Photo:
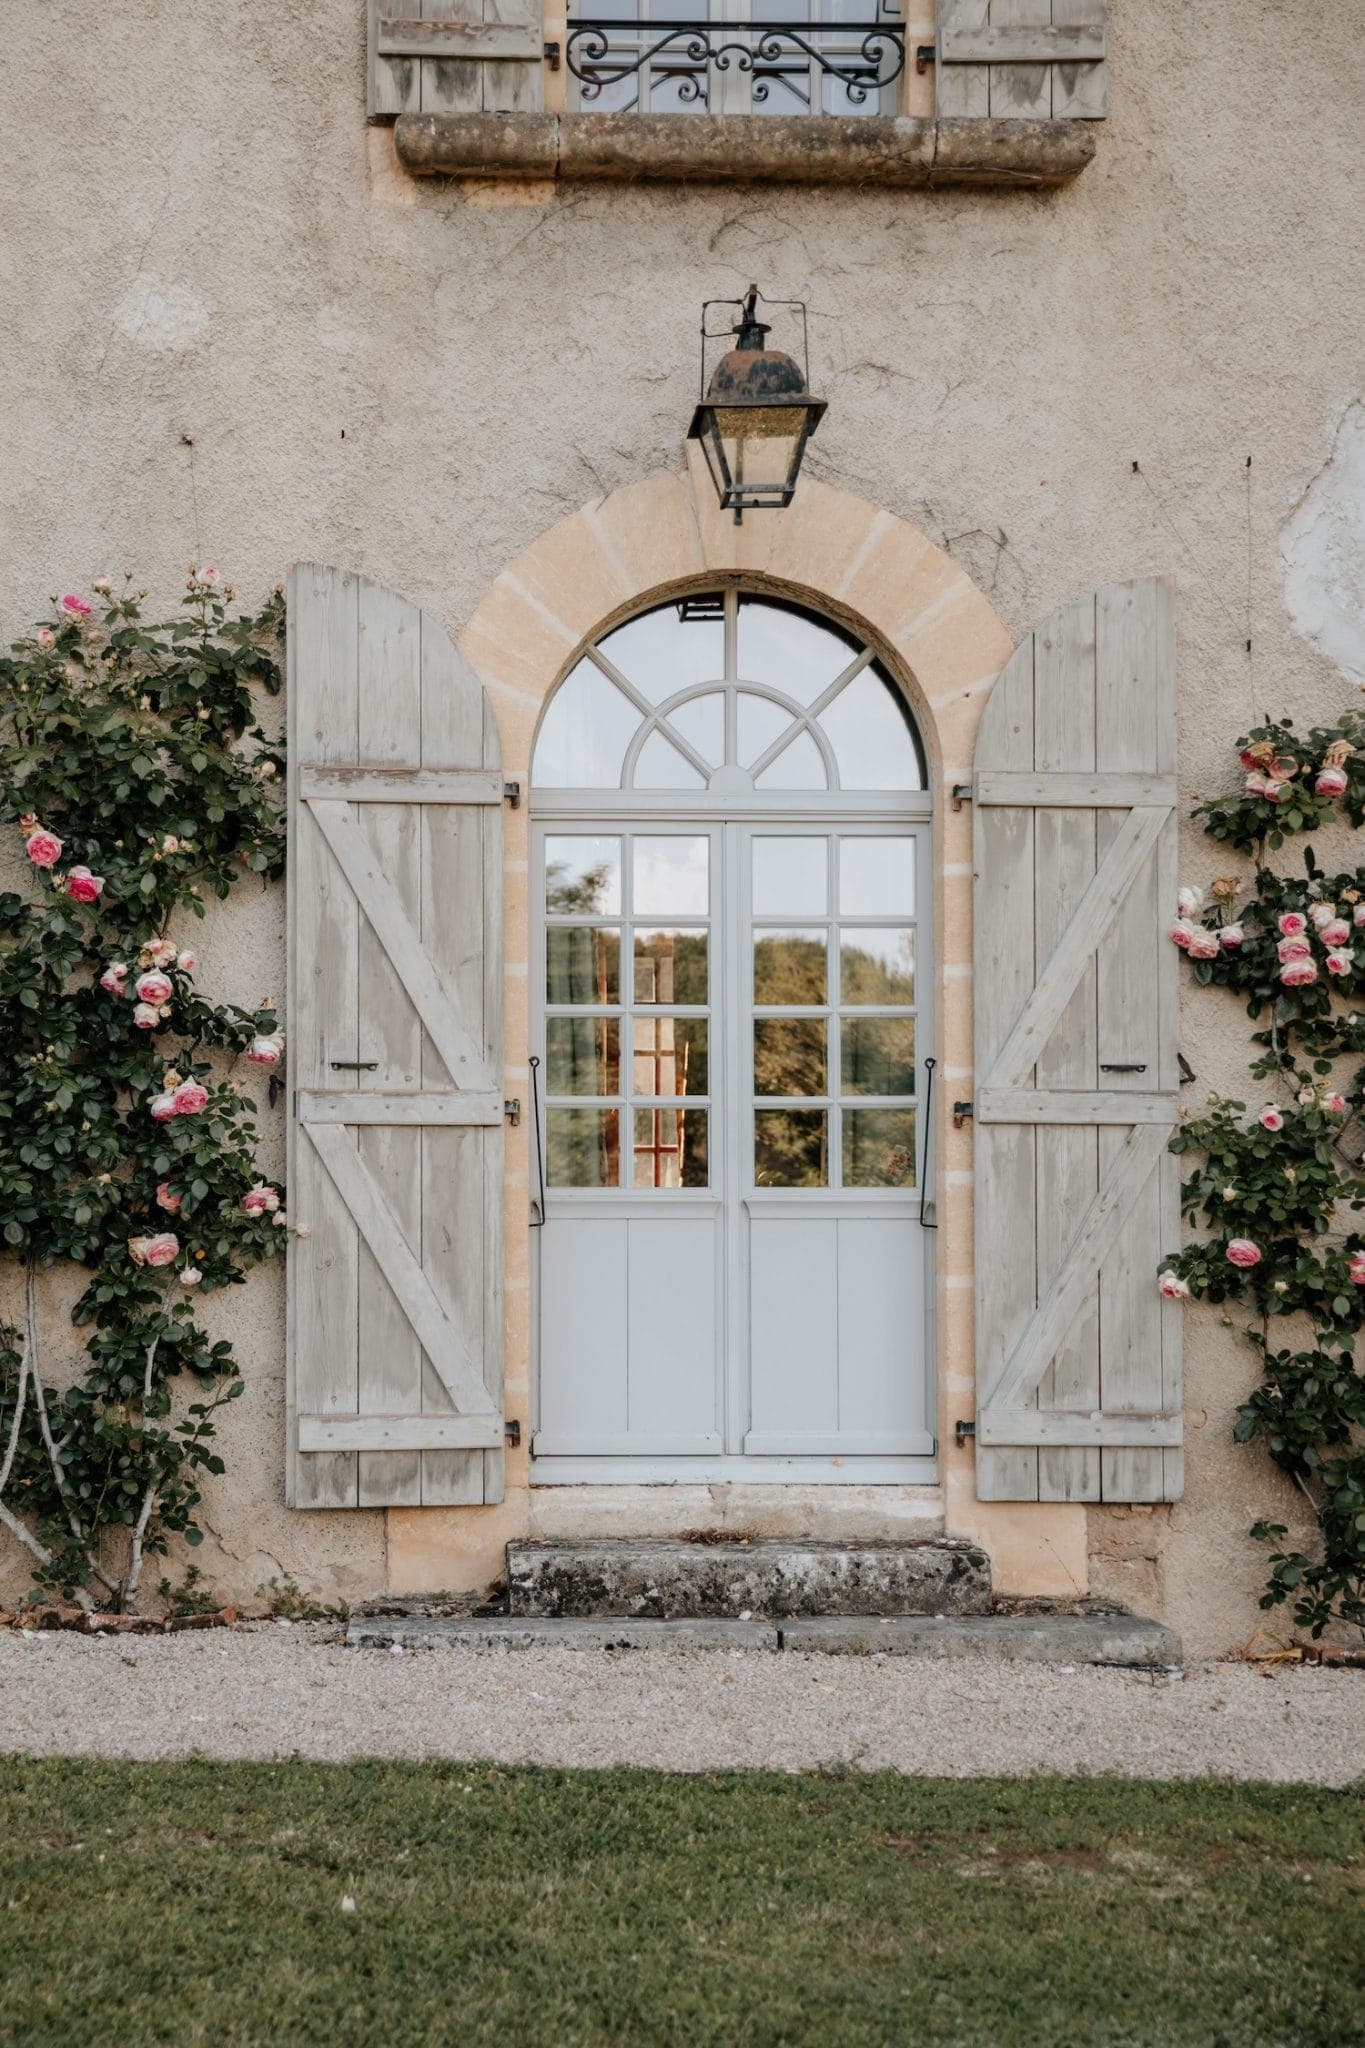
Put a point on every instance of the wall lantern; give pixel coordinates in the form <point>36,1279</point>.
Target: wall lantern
<point>757,414</point>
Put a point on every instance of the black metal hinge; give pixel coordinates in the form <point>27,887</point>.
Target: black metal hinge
<point>925,55</point>
<point>964,1432</point>
<point>552,55</point>
<point>511,1109</point>
<point>961,1112</point>
<point>512,1431</point>
<point>512,792</point>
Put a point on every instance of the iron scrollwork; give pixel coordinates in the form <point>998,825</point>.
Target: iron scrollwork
<point>689,50</point>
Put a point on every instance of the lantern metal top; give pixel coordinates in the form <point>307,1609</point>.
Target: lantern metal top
<point>750,373</point>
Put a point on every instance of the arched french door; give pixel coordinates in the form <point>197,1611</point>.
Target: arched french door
<point>732,1005</point>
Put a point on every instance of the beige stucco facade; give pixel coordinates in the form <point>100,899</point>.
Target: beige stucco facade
<point>235,330</point>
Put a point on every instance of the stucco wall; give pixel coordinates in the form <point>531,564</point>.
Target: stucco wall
<point>233,330</point>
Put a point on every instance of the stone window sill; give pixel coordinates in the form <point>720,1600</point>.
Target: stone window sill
<point>746,149</point>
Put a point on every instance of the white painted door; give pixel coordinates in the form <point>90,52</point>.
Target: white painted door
<point>733,1020</point>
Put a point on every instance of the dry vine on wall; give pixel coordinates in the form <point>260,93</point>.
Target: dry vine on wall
<point>138,777</point>
<point>1278,1188</point>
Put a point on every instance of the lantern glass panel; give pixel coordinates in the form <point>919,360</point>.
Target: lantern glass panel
<point>759,446</point>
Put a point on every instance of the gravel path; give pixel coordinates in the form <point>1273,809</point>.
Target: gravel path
<point>268,1691</point>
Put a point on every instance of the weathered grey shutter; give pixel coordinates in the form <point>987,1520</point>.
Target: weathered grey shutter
<point>454,57</point>
<point>395,1057</point>
<point>1076,1006</point>
<point>1023,59</point>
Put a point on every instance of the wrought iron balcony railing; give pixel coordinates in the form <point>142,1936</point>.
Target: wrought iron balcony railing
<point>674,65</point>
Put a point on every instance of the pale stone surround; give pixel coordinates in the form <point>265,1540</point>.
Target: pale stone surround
<point>943,640</point>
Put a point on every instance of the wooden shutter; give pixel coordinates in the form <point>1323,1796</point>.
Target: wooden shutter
<point>1023,59</point>
<point>395,1057</point>
<point>1076,1006</point>
<point>454,57</point>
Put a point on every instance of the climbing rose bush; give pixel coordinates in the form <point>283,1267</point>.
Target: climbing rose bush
<point>136,780</point>
<point>1277,1190</point>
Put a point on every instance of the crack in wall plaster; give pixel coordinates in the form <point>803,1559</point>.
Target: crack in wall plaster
<point>1322,551</point>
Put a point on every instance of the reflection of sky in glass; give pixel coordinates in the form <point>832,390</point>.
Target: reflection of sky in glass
<point>877,877</point>
<point>586,731</point>
<point>789,877</point>
<point>661,766</point>
<point>871,739</point>
<point>661,653</point>
<point>702,722</point>
<point>672,877</point>
<point>798,766</point>
<point>582,874</point>
<point>877,965</point>
<point>789,650</point>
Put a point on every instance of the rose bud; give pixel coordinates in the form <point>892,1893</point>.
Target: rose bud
<point>191,1276</point>
<point>187,962</point>
<point>1357,1268</point>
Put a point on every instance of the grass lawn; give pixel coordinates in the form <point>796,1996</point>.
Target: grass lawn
<point>547,1909</point>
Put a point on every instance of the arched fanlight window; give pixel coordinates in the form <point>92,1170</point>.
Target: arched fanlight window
<point>728,693</point>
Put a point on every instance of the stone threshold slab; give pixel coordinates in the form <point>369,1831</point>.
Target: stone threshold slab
<point>743,149</point>
<point>1124,1640</point>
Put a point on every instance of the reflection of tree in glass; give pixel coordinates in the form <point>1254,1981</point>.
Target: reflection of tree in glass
<point>791,1148</point>
<point>789,967</point>
<point>582,1148</point>
<point>878,967</point>
<point>574,895</point>
<point>670,967</point>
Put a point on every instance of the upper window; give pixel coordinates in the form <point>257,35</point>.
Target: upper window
<point>728,693</point>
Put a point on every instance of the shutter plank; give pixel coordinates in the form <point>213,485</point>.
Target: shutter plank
<point>322,1342</point>
<point>1020,91</point>
<point>1068,1154</point>
<point>961,89</point>
<point>1080,88</point>
<point>1005,1158</point>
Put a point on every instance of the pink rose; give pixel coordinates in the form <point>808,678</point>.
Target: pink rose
<point>1340,960</point>
<point>75,606</point>
<point>114,977</point>
<point>1334,1104</point>
<point>1203,944</point>
<point>266,1051</point>
<point>1242,1252</point>
<point>1358,915</point>
<point>1231,937</point>
<point>83,886</point>
<point>164,1107</point>
<point>43,847</point>
<point>1294,949</point>
<point>167,1200</point>
<point>146,1016</point>
<point>44,636</point>
<point>254,1201</point>
<point>1292,923</point>
<point>1299,973</point>
<point>158,953</point>
<point>209,575</point>
<point>1173,1287</point>
<point>1283,769</point>
<point>1331,782</point>
<point>162,1250</point>
<point>187,963</point>
<point>1272,791</point>
<point>1180,934</point>
<point>190,1276</point>
<point>1321,914</point>
<point>153,987</point>
<point>189,1098</point>
<point>1271,1119</point>
<point>1255,783</point>
<point>1337,933</point>
<point>1248,759</point>
<point>1357,1268</point>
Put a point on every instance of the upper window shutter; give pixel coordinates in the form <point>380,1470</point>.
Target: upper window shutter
<point>395,1057</point>
<point>1076,1028</point>
<point>1023,59</point>
<point>453,57</point>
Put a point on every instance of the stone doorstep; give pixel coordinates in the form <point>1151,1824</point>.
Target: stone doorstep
<point>676,1581</point>
<point>1123,1640</point>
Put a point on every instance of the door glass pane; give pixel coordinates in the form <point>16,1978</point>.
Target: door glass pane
<point>878,1055</point>
<point>879,1148</point>
<point>672,877</point>
<point>871,739</point>
<point>670,1148</point>
<point>582,875</point>
<point>661,653</point>
<point>789,966</point>
<point>877,877</point>
<point>877,965</point>
<point>582,964</point>
<point>790,877</point>
<point>661,766</point>
<point>670,1056</point>
<point>670,966</point>
<point>582,1148</point>
<point>582,1056</point>
<point>586,730</point>
<point>799,766</point>
<point>789,1055</point>
<point>791,1148</point>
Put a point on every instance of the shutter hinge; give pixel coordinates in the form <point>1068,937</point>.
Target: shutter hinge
<point>961,1112</point>
<point>925,55</point>
<point>964,1432</point>
<point>511,1109</point>
<point>552,55</point>
<point>512,1431</point>
<point>962,794</point>
<point>512,794</point>
<point>1187,1073</point>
